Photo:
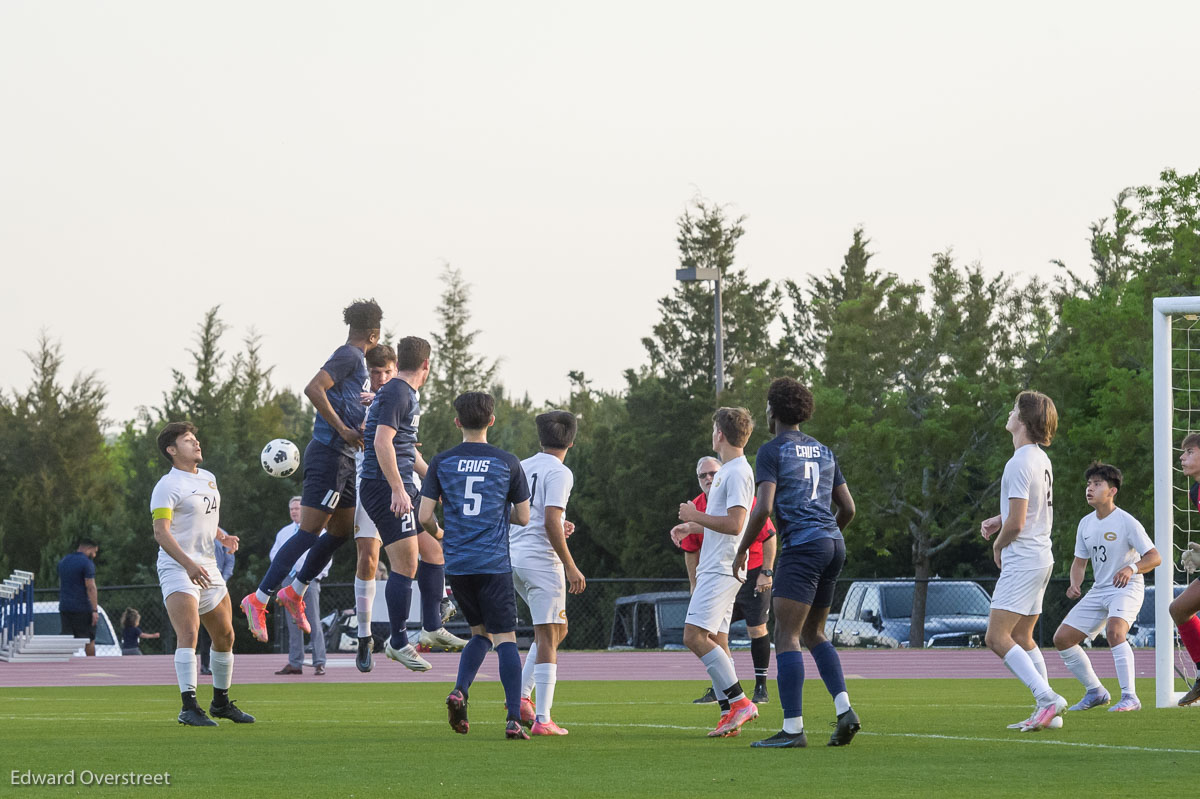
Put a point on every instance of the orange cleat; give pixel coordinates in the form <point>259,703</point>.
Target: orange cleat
<point>295,607</point>
<point>256,614</point>
<point>528,713</point>
<point>738,715</point>
<point>547,728</point>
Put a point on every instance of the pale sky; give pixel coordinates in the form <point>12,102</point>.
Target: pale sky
<point>282,158</point>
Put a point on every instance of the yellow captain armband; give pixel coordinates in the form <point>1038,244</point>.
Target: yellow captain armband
<point>163,513</point>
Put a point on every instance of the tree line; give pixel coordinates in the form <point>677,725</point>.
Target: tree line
<point>913,380</point>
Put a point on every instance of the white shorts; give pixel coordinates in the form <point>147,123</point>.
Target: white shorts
<point>363,526</point>
<point>1021,591</point>
<point>545,592</point>
<point>711,607</point>
<point>174,580</point>
<point>1100,604</point>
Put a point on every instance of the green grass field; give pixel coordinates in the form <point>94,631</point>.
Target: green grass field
<point>627,739</point>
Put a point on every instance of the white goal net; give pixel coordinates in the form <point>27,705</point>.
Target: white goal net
<point>1176,414</point>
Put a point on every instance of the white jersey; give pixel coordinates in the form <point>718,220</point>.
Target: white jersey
<point>191,502</point>
<point>1111,543</point>
<point>550,483</point>
<point>1028,476</point>
<point>733,487</point>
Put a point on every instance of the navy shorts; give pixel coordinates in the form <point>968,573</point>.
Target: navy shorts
<point>750,606</point>
<point>487,599</point>
<point>808,572</point>
<point>376,500</point>
<point>328,478</point>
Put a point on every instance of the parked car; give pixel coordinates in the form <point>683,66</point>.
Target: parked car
<point>655,621</point>
<point>1141,632</point>
<point>46,621</point>
<point>879,614</point>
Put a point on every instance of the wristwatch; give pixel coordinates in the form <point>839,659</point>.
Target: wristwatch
<point>767,572</point>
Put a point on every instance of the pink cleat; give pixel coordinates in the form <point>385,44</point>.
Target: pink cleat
<point>1045,714</point>
<point>738,715</point>
<point>546,728</point>
<point>256,614</point>
<point>528,712</point>
<point>295,607</point>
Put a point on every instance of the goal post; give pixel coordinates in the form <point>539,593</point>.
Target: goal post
<point>1172,421</point>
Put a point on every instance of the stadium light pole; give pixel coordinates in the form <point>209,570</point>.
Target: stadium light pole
<point>694,274</point>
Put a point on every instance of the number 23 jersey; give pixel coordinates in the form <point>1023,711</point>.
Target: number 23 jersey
<point>191,502</point>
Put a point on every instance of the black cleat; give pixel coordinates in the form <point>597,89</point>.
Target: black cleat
<point>783,740</point>
<point>760,695</point>
<point>1192,696</point>
<point>363,660</point>
<point>231,711</point>
<point>513,731</point>
<point>448,610</point>
<point>456,704</point>
<point>194,717</point>
<point>846,727</point>
<point>708,698</point>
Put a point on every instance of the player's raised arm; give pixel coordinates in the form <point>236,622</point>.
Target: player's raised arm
<point>726,525</point>
<point>316,391</point>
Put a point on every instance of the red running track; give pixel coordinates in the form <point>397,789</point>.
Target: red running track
<point>856,663</point>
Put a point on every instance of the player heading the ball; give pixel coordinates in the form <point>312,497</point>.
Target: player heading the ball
<point>482,490</point>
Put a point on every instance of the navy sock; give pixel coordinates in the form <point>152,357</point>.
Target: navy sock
<point>791,683</point>
<point>510,678</point>
<point>829,665</point>
<point>431,581</point>
<point>281,565</point>
<point>470,661</point>
<point>398,594</point>
<point>760,651</point>
<point>319,556</point>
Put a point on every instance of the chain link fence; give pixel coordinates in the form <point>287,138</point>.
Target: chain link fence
<point>648,613</point>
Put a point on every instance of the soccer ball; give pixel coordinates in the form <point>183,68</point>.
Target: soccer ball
<point>280,457</point>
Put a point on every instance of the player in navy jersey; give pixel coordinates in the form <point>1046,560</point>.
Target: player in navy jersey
<point>798,477</point>
<point>328,499</point>
<point>482,490</point>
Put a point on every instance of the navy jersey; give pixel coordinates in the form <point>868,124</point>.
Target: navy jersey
<point>478,484</point>
<point>805,473</point>
<point>348,368</point>
<point>398,406</point>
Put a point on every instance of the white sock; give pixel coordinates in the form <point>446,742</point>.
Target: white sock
<point>299,587</point>
<point>527,675</point>
<point>1039,662</point>
<point>1123,658</point>
<point>793,726</point>
<point>1021,665</point>
<point>364,600</point>
<point>841,703</point>
<point>546,675</point>
<point>222,668</point>
<point>185,669</point>
<point>720,671</point>
<point>262,596</point>
<point>1077,662</point>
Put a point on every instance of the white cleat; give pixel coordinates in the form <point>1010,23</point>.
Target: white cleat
<point>1055,724</point>
<point>1128,702</point>
<point>407,656</point>
<point>1021,725</point>
<point>441,639</point>
<point>1047,713</point>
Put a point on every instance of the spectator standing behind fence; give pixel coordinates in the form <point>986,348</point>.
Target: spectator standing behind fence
<point>225,561</point>
<point>312,605</point>
<point>78,605</point>
<point>131,632</point>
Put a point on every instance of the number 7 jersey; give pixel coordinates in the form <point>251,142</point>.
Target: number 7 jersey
<point>804,472</point>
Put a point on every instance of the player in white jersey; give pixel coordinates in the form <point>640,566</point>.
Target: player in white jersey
<point>543,569</point>
<point>723,522</point>
<point>185,508</point>
<point>1120,552</point>
<point>1021,550</point>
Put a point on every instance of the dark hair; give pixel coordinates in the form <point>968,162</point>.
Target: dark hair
<point>131,617</point>
<point>87,542</point>
<point>1192,440</point>
<point>170,434</point>
<point>362,316</point>
<point>411,352</point>
<point>736,424</point>
<point>1108,473</point>
<point>379,356</point>
<point>1037,412</point>
<point>474,409</point>
<point>556,429</point>
<point>790,401</point>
